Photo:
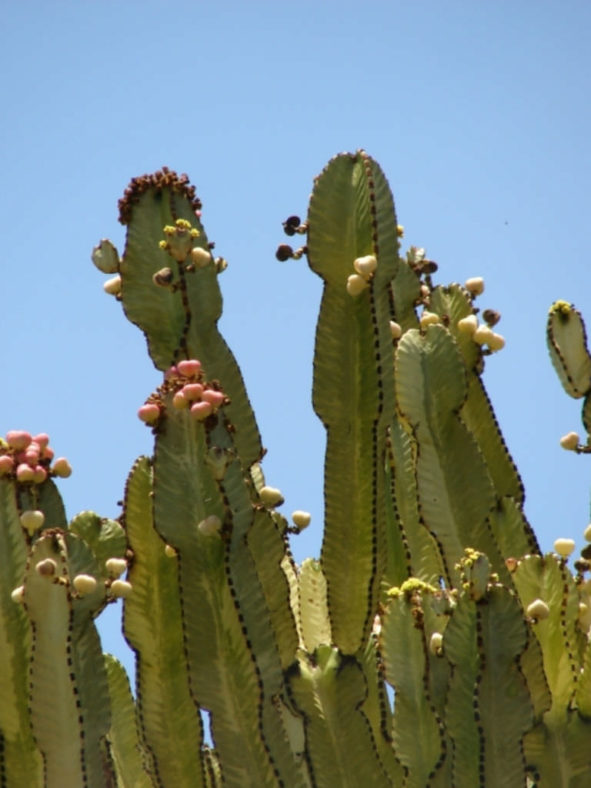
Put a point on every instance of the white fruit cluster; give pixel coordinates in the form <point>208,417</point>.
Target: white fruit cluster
<point>481,334</point>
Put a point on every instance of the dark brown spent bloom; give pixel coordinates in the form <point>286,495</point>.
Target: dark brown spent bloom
<point>491,316</point>
<point>284,252</point>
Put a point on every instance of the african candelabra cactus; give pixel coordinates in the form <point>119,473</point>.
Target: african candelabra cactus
<point>431,645</point>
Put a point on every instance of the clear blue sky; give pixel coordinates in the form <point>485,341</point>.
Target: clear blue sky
<point>477,111</point>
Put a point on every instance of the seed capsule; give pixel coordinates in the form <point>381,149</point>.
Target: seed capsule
<point>482,335</point>
<point>468,325</point>
<point>189,367</point>
<point>18,595</point>
<point>587,533</point>
<point>179,400</point>
<point>84,584</point>
<point>475,285</point>
<point>214,397</point>
<point>149,413</point>
<point>24,473</point>
<point>429,319</point>
<point>18,439</point>
<point>395,330</point>
<point>496,342</point>
<point>62,468</point>
<point>32,520</point>
<point>39,474</point>
<point>436,643</point>
<point>201,410</point>
<point>115,566</point>
<point>192,392</point>
<point>113,286</point>
<point>6,464</point>
<point>537,610</point>
<point>570,441</point>
<point>564,547</point>
<point>46,568</point>
<point>200,257</point>
<point>120,588</point>
<point>271,496</point>
<point>210,526</point>
<point>365,266</point>
<point>301,519</point>
<point>356,284</point>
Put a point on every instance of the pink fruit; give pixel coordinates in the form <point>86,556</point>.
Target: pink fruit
<point>6,464</point>
<point>171,372</point>
<point>62,468</point>
<point>18,439</point>
<point>42,440</point>
<point>47,453</point>
<point>216,398</point>
<point>189,368</point>
<point>201,410</point>
<point>31,455</point>
<point>192,391</point>
<point>149,413</point>
<point>40,474</point>
<point>24,473</point>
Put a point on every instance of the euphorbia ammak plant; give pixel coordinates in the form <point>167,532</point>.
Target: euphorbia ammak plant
<point>431,644</point>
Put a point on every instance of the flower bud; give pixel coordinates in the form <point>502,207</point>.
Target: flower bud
<point>115,566</point>
<point>271,496</point>
<point>475,285</point>
<point>356,284</point>
<point>84,584</point>
<point>587,533</point>
<point>537,610</point>
<point>570,441</point>
<point>169,551</point>
<point>120,588</point>
<point>32,520</point>
<point>564,547</point>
